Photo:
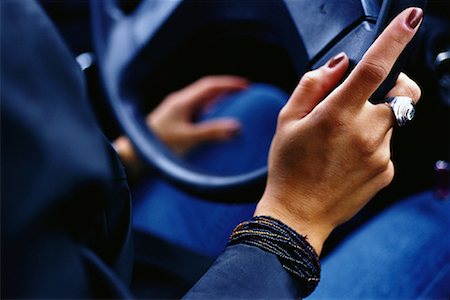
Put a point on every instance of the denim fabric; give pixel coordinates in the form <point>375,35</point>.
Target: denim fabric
<point>402,253</point>
<point>163,210</point>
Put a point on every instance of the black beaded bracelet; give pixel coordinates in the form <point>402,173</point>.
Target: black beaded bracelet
<point>294,252</point>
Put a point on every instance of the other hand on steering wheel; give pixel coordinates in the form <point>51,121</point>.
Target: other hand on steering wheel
<point>173,120</point>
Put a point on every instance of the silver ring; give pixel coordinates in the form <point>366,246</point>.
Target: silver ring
<point>402,108</point>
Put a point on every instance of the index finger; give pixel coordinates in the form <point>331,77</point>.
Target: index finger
<point>208,88</point>
<point>377,62</point>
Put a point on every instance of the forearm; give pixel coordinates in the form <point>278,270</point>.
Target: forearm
<point>264,259</point>
<point>244,271</point>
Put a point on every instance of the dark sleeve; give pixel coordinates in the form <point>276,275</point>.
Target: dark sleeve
<point>64,208</point>
<point>245,272</point>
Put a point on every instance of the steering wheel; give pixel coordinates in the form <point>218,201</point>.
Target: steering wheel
<point>132,46</point>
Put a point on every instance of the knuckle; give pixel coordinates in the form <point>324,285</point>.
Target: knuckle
<point>285,118</point>
<point>388,174</point>
<point>172,97</point>
<point>398,39</point>
<point>406,86</point>
<point>415,91</point>
<point>312,81</point>
<point>373,71</point>
<point>282,115</point>
<point>308,79</point>
<point>207,81</point>
<point>381,162</point>
<point>366,144</point>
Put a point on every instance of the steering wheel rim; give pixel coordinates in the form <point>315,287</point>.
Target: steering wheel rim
<point>121,38</point>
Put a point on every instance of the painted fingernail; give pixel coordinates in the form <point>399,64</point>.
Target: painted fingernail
<point>336,60</point>
<point>414,18</point>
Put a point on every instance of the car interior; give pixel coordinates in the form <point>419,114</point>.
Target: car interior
<point>137,52</point>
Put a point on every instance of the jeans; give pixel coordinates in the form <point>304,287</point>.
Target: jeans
<point>402,253</point>
<point>201,226</point>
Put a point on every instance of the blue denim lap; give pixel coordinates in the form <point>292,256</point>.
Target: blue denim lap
<point>402,253</point>
<point>163,210</point>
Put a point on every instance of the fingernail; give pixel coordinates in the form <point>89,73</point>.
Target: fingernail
<point>414,18</point>
<point>233,128</point>
<point>336,60</point>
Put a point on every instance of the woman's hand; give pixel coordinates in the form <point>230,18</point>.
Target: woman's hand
<point>331,152</point>
<point>172,120</point>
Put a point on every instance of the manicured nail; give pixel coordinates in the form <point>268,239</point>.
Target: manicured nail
<point>336,60</point>
<point>414,18</point>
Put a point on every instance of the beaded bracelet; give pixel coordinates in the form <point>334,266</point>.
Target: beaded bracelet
<point>294,252</point>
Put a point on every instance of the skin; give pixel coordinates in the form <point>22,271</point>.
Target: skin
<point>172,120</point>
<point>331,152</point>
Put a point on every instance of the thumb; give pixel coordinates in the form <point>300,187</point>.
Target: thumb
<point>315,85</point>
<point>217,130</point>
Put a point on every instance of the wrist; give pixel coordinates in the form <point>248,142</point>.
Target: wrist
<point>316,232</point>
<point>293,251</point>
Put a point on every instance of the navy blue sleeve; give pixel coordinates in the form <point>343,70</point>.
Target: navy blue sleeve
<point>64,203</point>
<point>65,212</point>
<point>245,272</point>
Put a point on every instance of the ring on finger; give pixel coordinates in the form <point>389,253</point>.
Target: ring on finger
<point>402,108</point>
